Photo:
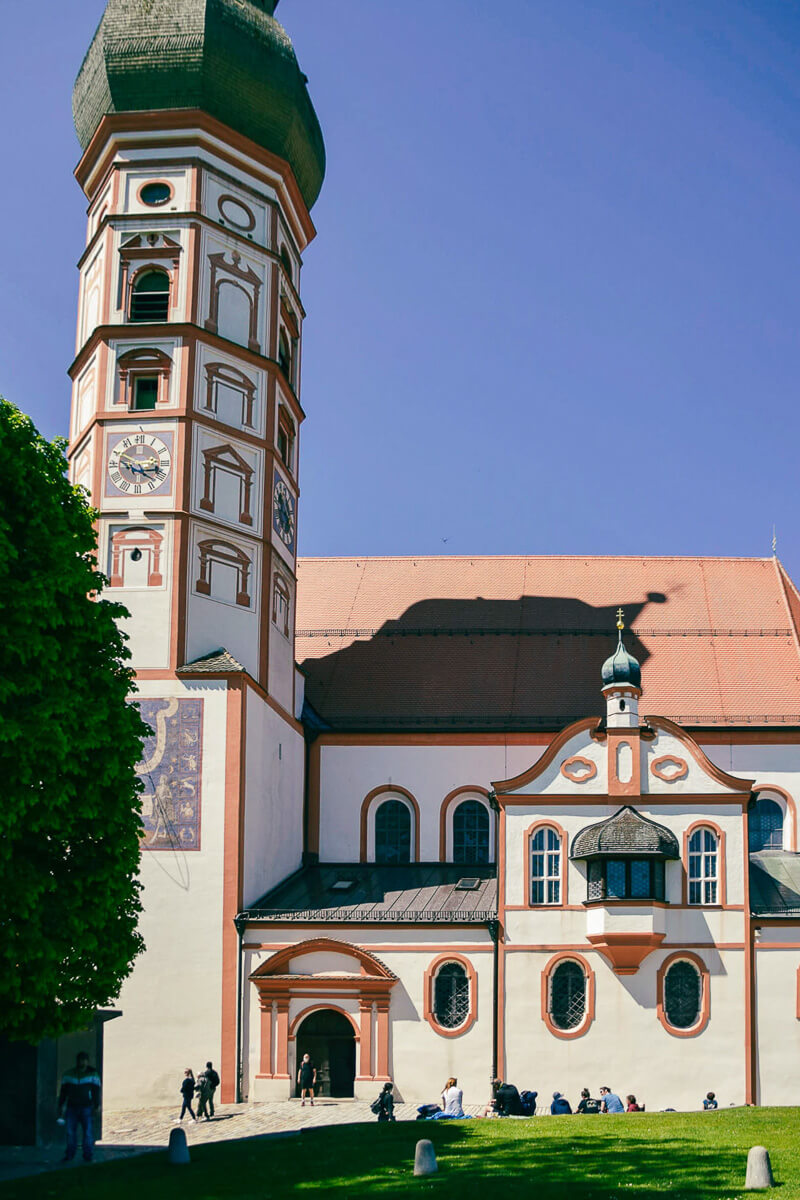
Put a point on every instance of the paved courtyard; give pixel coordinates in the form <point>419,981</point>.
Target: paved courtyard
<point>137,1131</point>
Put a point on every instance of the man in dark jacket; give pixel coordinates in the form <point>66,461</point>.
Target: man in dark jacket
<point>560,1106</point>
<point>506,1100</point>
<point>79,1099</point>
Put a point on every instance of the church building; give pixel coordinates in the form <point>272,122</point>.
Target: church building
<point>533,817</point>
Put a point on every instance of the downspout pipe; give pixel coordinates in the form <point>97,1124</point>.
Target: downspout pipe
<point>240,922</point>
<point>494,933</point>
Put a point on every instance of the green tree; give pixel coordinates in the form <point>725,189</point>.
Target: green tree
<point>69,744</point>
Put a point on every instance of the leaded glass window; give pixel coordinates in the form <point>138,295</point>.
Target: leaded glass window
<point>392,832</point>
<point>150,297</point>
<point>682,994</point>
<point>765,825</point>
<point>703,867</point>
<point>545,866</point>
<point>567,995</point>
<point>615,879</point>
<point>451,995</point>
<point>471,833</point>
<point>625,879</point>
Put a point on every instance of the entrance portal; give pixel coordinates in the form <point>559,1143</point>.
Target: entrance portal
<point>328,1038</point>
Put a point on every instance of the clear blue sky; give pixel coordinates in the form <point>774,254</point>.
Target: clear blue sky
<point>553,300</point>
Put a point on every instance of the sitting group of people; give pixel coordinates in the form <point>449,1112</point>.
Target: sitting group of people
<point>507,1101</point>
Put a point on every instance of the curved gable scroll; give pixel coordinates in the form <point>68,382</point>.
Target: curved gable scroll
<point>701,758</point>
<point>278,963</point>
<point>541,765</point>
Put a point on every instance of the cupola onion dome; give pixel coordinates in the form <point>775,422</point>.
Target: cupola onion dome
<point>621,669</point>
<point>230,58</point>
<point>627,832</point>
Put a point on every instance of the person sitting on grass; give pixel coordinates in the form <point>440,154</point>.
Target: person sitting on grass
<point>452,1097</point>
<point>587,1105</point>
<point>632,1106</point>
<point>560,1106</point>
<point>610,1101</point>
<point>506,1101</point>
<point>710,1101</point>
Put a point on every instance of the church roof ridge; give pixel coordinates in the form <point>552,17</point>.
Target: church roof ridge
<point>728,558</point>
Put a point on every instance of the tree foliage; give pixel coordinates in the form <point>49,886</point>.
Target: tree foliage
<point>69,744</point>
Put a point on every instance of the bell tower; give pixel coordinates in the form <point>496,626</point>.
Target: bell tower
<point>202,158</point>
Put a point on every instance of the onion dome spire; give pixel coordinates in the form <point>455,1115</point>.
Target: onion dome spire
<point>621,669</point>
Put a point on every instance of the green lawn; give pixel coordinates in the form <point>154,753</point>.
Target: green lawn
<point>699,1156</point>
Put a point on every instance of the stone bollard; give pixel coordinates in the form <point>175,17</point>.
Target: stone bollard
<point>759,1170</point>
<point>178,1152</point>
<point>425,1158</point>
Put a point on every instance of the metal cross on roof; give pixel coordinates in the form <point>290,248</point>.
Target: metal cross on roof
<point>620,620</point>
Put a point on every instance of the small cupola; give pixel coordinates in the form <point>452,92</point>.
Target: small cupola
<point>622,684</point>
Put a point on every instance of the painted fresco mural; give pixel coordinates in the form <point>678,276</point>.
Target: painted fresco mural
<point>171,773</point>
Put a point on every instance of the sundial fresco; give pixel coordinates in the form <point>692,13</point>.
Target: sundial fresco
<point>170,772</point>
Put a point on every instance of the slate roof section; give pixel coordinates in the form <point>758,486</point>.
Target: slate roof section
<point>775,884</point>
<point>384,895</point>
<point>517,643</point>
<point>626,832</point>
<point>215,663</point>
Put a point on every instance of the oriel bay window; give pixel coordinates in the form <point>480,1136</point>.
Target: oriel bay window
<point>626,879</point>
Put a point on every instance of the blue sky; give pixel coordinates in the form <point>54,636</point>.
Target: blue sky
<point>552,305</point>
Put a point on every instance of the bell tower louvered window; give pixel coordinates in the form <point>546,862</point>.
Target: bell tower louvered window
<point>150,297</point>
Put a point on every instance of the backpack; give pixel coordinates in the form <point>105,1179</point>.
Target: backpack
<point>377,1105</point>
<point>528,1102</point>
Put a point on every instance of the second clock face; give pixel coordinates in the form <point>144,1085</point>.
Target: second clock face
<point>139,463</point>
<point>283,513</point>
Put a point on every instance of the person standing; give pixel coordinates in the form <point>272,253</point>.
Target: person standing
<point>386,1104</point>
<point>213,1080</point>
<point>79,1100</point>
<point>307,1079</point>
<point>187,1091</point>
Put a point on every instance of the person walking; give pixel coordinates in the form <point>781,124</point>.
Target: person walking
<point>384,1105</point>
<point>204,1092</point>
<point>213,1080</point>
<point>78,1101</point>
<point>307,1079</point>
<point>187,1092</point>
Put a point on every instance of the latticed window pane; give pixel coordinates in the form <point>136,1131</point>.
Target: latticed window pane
<point>451,996</point>
<point>545,867</point>
<point>640,878</point>
<point>597,882</point>
<point>703,867</point>
<point>765,825</point>
<point>682,993</point>
<point>615,879</point>
<point>392,833</point>
<point>471,833</point>
<point>567,995</point>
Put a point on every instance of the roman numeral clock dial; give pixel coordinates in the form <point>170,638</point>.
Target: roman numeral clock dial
<point>139,464</point>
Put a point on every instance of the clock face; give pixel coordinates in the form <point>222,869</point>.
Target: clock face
<point>283,513</point>
<point>139,464</point>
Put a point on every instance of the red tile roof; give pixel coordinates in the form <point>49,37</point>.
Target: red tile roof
<point>516,643</point>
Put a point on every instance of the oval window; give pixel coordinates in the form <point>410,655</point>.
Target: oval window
<point>682,995</point>
<point>236,213</point>
<point>155,193</point>
<point>567,995</point>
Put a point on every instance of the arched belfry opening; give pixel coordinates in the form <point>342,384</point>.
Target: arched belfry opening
<point>328,1037</point>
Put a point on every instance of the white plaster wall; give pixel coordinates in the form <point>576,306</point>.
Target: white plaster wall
<point>216,620</point>
<point>420,1059</point>
<point>171,1003</point>
<point>148,627</point>
<point>133,179</point>
<point>225,213</point>
<point>218,242</point>
<point>777,1022</point>
<point>229,403</point>
<point>273,820</point>
<point>551,779</point>
<point>281,658</point>
<point>694,780</point>
<point>430,773</point>
<point>227,492</point>
<point>626,1046</point>
<point>90,304</point>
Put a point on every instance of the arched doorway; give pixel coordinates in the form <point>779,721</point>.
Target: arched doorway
<point>328,1037</point>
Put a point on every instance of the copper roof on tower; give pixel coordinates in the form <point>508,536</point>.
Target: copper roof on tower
<point>517,643</point>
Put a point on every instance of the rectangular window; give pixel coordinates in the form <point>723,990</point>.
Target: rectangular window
<point>145,393</point>
<point>640,879</point>
<point>615,879</point>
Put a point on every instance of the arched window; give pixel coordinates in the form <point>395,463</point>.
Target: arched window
<point>765,824</point>
<point>392,832</point>
<point>471,833</point>
<point>545,866</point>
<point>567,995</point>
<point>703,867</point>
<point>683,990</point>
<point>286,260</point>
<point>150,297</point>
<point>451,1003</point>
